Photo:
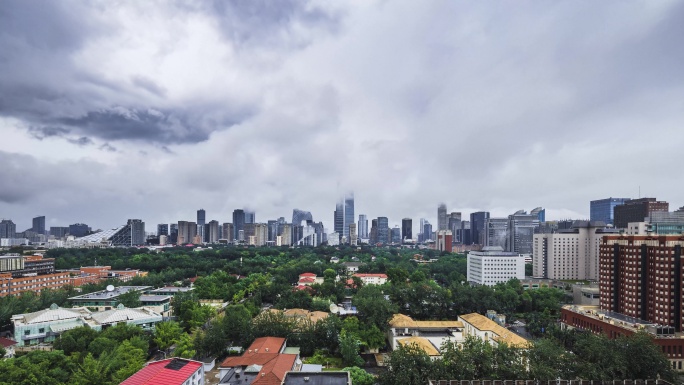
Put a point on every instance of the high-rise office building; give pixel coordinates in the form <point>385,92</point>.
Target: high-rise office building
<point>477,226</point>
<point>454,225</point>
<point>59,232</point>
<point>521,228</point>
<point>162,229</point>
<point>495,232</point>
<point>395,235</point>
<point>173,233</point>
<point>407,229</point>
<point>272,230</point>
<point>442,217</point>
<point>641,277</point>
<point>8,229</point>
<point>465,233</point>
<point>374,232</point>
<point>363,226</point>
<point>348,213</point>
<point>201,221</point>
<point>383,231</point>
<point>637,210</point>
<point>426,234</point>
<point>250,216</point>
<point>238,223</point>
<point>339,218</point>
<point>132,234</point>
<point>39,225</point>
<point>299,216</point>
<point>79,230</point>
<point>603,209</point>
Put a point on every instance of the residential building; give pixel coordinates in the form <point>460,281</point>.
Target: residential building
<point>372,279</point>
<point>285,234</point>
<point>211,233</point>
<point>265,362</point>
<point>8,345</point>
<point>489,331</point>
<point>569,253</point>
<point>640,277</point>
<point>170,371</point>
<point>19,274</point>
<point>228,232</point>
<point>353,237</point>
<point>406,229</point>
<point>603,209</point>
<point>477,227</point>
<point>186,232</point>
<point>492,265</point>
<point>442,223</point>
<point>495,232</point>
<point>445,241</point>
<point>8,229</point>
<point>260,233</point>
<point>637,210</point>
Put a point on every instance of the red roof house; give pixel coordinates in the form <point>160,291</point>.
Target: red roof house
<point>171,371</point>
<point>261,364</point>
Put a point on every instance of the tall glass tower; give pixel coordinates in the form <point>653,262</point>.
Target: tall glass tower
<point>348,213</point>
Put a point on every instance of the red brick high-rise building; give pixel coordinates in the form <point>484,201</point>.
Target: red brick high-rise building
<point>641,277</point>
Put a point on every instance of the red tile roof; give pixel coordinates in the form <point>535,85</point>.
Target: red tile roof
<point>307,280</point>
<point>6,342</point>
<point>362,275</point>
<point>156,373</point>
<point>307,275</point>
<point>274,371</point>
<point>264,351</point>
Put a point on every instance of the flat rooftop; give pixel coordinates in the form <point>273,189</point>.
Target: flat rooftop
<point>171,289</point>
<point>104,294</point>
<point>317,378</point>
<point>618,319</point>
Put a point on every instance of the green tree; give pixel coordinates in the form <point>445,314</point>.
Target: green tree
<point>360,376</point>
<point>372,337</point>
<point>349,349</point>
<point>373,308</point>
<point>91,372</point>
<point>167,334</point>
<point>408,365</point>
<point>184,347</point>
<point>130,299</point>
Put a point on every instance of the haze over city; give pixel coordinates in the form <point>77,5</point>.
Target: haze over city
<point>119,110</point>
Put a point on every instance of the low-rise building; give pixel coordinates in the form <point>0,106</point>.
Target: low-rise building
<point>479,326</point>
<point>172,371</point>
<point>8,345</point>
<point>371,279</point>
<point>263,363</point>
<point>105,299</point>
<point>424,333</point>
<point>46,325</point>
<point>317,378</point>
<point>19,274</point>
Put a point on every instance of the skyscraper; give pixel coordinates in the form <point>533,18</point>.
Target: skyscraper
<point>495,232</point>
<point>173,233</point>
<point>299,216</point>
<point>406,229</point>
<point>39,225</point>
<point>477,226</point>
<point>454,224</point>
<point>521,227</point>
<point>250,216</point>
<point>339,218</point>
<point>442,217</point>
<point>201,221</point>
<point>227,232</point>
<point>383,231</point>
<point>363,226</point>
<point>395,235</point>
<point>374,232</point>
<point>353,238</point>
<point>238,223</point>
<point>603,209</point>
<point>636,210</point>
<point>211,232</point>
<point>272,230</point>
<point>348,213</point>
<point>186,232</point>
<point>162,229</point>
<point>79,230</point>
<point>427,231</point>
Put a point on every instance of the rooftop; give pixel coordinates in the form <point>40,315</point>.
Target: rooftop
<point>317,378</point>
<point>6,342</point>
<point>52,314</point>
<point>404,321</point>
<point>626,322</point>
<point>483,323</point>
<point>423,343</point>
<point>105,294</point>
<point>171,289</point>
<point>122,314</point>
<point>165,372</point>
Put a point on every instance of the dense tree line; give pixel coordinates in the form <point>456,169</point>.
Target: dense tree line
<point>588,356</point>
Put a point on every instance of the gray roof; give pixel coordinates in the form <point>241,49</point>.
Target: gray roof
<point>54,313</point>
<point>317,378</point>
<point>104,294</point>
<point>121,314</point>
<point>99,236</point>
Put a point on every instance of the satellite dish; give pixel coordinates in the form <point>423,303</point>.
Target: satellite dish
<point>110,287</point>
<point>334,308</point>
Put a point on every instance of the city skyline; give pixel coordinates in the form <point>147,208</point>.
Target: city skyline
<point>519,106</point>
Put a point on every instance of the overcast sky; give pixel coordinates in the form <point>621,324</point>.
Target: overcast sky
<point>152,110</point>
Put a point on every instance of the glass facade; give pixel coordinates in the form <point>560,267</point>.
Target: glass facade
<point>604,209</point>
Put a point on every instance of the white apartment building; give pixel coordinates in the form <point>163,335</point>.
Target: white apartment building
<point>569,254</point>
<point>493,265</point>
